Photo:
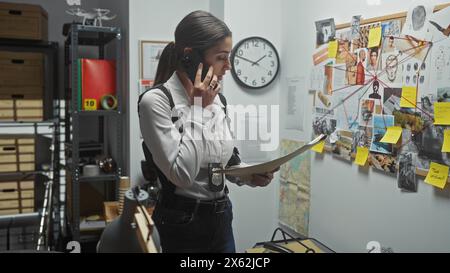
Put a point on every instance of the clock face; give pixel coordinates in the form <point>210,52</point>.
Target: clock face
<point>254,62</point>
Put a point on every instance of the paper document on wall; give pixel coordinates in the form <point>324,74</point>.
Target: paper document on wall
<point>270,165</point>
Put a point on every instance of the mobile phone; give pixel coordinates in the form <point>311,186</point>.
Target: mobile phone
<point>192,63</point>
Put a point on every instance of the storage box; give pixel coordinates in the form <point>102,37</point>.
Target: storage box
<point>17,153</point>
<point>21,110</point>
<point>16,197</point>
<point>21,74</point>
<point>23,21</point>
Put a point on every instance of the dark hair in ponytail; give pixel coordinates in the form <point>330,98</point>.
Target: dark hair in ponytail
<point>199,30</point>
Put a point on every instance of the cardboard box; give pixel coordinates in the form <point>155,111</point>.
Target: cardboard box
<point>17,153</point>
<point>21,69</point>
<point>23,21</point>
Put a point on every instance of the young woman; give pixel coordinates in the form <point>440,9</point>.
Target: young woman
<point>193,213</point>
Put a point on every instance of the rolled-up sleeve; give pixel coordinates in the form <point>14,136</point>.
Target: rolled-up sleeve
<point>178,156</point>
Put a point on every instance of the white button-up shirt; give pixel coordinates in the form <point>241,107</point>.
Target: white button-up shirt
<point>183,157</point>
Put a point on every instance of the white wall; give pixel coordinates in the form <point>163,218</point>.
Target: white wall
<point>149,20</point>
<point>255,209</point>
<point>350,206</point>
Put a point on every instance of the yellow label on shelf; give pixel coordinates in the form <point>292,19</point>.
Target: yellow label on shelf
<point>362,153</point>
<point>409,97</point>
<point>90,104</point>
<point>392,135</point>
<point>437,175</point>
<point>374,37</point>
<point>442,113</point>
<point>332,49</point>
<point>318,148</point>
<point>446,145</point>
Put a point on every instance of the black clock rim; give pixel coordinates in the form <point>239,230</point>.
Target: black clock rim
<point>233,71</point>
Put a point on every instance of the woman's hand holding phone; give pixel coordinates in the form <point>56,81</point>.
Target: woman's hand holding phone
<point>207,89</point>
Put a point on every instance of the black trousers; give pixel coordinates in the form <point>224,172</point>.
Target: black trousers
<point>188,226</point>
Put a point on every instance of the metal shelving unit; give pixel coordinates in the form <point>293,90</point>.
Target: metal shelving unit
<point>49,228</point>
<point>98,38</point>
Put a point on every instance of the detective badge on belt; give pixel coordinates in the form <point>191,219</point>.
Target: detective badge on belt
<point>216,181</point>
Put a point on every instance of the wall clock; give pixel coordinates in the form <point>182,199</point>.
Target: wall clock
<point>254,63</point>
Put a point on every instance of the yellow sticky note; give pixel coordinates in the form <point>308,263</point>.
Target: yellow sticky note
<point>362,153</point>
<point>442,113</point>
<point>446,145</point>
<point>332,49</point>
<point>374,37</point>
<point>437,175</point>
<point>409,97</point>
<point>318,148</point>
<point>392,135</point>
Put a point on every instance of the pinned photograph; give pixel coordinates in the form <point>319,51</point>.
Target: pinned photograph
<point>427,102</point>
<point>361,66</point>
<point>363,40</point>
<point>411,121</point>
<point>391,100</point>
<point>380,124</point>
<point>429,143</point>
<point>443,94</point>
<point>326,31</point>
<point>324,125</point>
<point>356,21</point>
<point>367,112</point>
<point>383,162</point>
<point>362,137</point>
<point>351,68</point>
<point>342,148</point>
<point>391,31</point>
<point>373,64</point>
<point>328,79</point>
<point>407,172</point>
<point>343,51</point>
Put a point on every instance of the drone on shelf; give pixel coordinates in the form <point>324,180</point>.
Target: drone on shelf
<point>91,18</point>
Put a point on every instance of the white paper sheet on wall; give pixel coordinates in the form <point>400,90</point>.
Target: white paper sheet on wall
<point>440,55</point>
<point>417,21</point>
<point>295,101</point>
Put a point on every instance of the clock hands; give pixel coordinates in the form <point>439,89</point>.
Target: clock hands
<point>245,59</point>
<point>257,62</point>
<point>252,62</point>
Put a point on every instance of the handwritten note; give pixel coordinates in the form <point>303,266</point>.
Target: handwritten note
<point>438,175</point>
<point>318,148</point>
<point>409,97</point>
<point>446,145</point>
<point>442,113</point>
<point>374,37</point>
<point>392,135</point>
<point>332,49</point>
<point>362,153</point>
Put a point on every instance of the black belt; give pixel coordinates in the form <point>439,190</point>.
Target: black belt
<point>192,205</point>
